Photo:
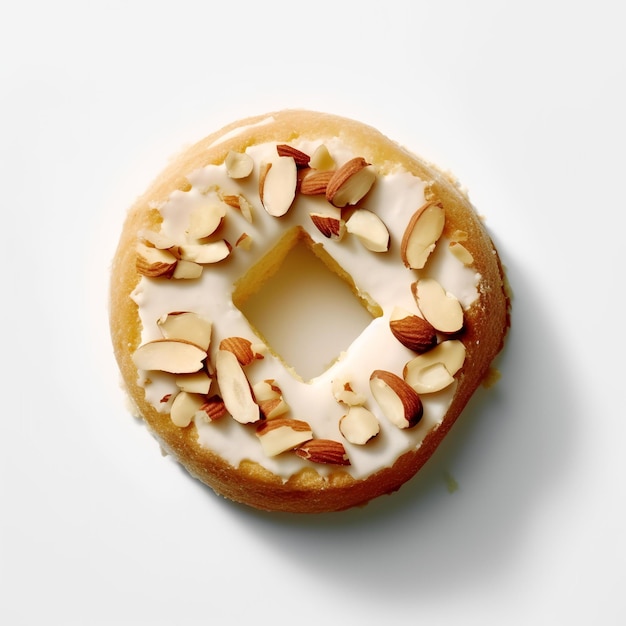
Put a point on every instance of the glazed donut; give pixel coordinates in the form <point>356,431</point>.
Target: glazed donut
<point>215,229</point>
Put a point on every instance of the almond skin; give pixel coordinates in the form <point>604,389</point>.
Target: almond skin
<point>301,158</point>
<point>314,183</point>
<point>323,451</point>
<point>350,183</point>
<point>415,333</point>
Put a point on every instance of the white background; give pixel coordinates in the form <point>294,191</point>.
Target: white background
<point>526,104</point>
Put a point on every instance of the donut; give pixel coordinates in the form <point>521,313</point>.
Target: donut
<point>312,195</point>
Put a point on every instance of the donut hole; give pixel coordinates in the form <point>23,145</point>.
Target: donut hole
<point>300,302</point>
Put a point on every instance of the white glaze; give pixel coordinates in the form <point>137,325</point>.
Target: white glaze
<point>394,197</point>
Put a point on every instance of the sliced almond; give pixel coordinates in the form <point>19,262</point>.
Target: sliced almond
<point>301,158</point>
<point>242,348</point>
<point>198,382</point>
<point>184,407</point>
<point>359,425</point>
<point>350,183</point>
<point>235,388</point>
<point>314,183</point>
<point>212,409</point>
<point>421,235</point>
<point>157,240</point>
<point>239,202</point>
<point>153,262</point>
<point>412,331</point>
<point>205,219</point>
<point>244,242</point>
<point>277,186</point>
<point>238,164</point>
<point>370,230</point>
<point>434,370</point>
<point>270,399</point>
<point>187,270</point>
<point>321,159</point>
<point>399,402</point>
<point>174,356</point>
<point>272,409</point>
<point>440,308</point>
<point>282,434</point>
<point>206,253</point>
<point>329,223</point>
<point>461,253</point>
<point>323,451</point>
<point>343,392</point>
<point>188,326</point>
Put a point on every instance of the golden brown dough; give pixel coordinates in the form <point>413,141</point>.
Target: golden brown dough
<point>484,326</point>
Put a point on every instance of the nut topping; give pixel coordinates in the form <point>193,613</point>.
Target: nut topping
<point>235,388</point>
<point>359,425</point>
<point>212,252</point>
<point>434,370</point>
<point>422,234</point>
<point>329,223</point>
<point>412,331</point>
<point>439,307</point>
<point>238,164</point>
<point>370,230</point>
<point>350,183</point>
<point>399,402</point>
<point>242,348</point>
<point>323,451</point>
<point>187,326</point>
<point>153,262</point>
<point>205,219</point>
<point>184,407</point>
<point>301,159</point>
<point>277,185</point>
<point>212,409</point>
<point>282,434</point>
<point>174,356</point>
<point>315,182</point>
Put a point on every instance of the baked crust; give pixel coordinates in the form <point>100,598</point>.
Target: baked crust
<point>486,321</point>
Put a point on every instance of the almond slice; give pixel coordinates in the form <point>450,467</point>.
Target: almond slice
<point>242,348</point>
<point>205,253</point>
<point>301,158</point>
<point>211,410</point>
<point>244,242</point>
<point>434,370</point>
<point>174,356</point>
<point>359,425</point>
<point>350,183</point>
<point>205,219</point>
<point>314,183</point>
<point>461,253</point>
<point>277,186</point>
<point>198,382</point>
<point>239,202</point>
<point>238,164</point>
<point>187,326</point>
<point>439,307</point>
<point>421,235</point>
<point>323,451</point>
<point>412,331</point>
<point>329,223</point>
<point>157,239</point>
<point>184,407</point>
<point>370,230</point>
<point>235,388</point>
<point>343,392</point>
<point>282,434</point>
<point>187,270</point>
<point>270,399</point>
<point>154,262</point>
<point>321,159</point>
<point>399,402</point>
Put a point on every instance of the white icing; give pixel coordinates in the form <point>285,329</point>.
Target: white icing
<point>394,197</point>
